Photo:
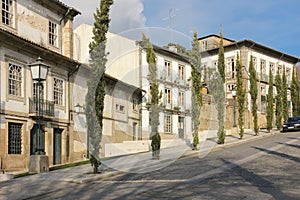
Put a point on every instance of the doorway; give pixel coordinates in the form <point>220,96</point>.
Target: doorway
<point>57,132</point>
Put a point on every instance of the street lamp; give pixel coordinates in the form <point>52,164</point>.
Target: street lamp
<point>233,92</point>
<point>39,72</point>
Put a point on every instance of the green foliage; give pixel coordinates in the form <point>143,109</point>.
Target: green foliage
<point>253,94</point>
<point>155,95</point>
<point>241,96</point>
<point>195,60</point>
<point>295,93</point>
<point>221,59</point>
<point>270,111</point>
<point>278,112</point>
<point>216,86</point>
<point>180,49</point>
<point>96,84</point>
<point>285,110</point>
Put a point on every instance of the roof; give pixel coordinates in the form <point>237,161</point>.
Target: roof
<point>214,35</point>
<point>255,46</point>
<point>63,8</point>
<point>168,52</point>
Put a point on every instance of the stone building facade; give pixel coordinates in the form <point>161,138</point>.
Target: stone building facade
<point>30,29</point>
<point>264,59</point>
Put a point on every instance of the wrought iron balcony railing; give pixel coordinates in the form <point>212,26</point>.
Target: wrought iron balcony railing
<point>46,107</point>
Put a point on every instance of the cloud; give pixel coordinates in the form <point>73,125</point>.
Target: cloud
<point>126,15</point>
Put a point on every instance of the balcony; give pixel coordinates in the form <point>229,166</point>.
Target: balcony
<point>46,108</point>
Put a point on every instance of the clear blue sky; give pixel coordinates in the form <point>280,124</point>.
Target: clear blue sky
<point>274,23</point>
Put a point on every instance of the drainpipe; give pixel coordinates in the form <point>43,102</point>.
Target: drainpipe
<point>71,73</point>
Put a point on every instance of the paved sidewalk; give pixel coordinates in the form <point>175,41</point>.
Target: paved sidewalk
<point>143,162</point>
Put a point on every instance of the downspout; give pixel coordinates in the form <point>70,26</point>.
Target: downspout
<point>71,73</point>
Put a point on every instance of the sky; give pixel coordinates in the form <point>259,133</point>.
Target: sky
<point>273,23</point>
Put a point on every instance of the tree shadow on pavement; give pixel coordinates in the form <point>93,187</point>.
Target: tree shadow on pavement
<point>290,145</point>
<point>261,183</point>
<point>282,155</point>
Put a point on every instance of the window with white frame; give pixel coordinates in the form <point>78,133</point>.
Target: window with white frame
<point>15,79</point>
<point>168,123</point>
<point>14,138</point>
<point>35,90</point>
<point>231,67</point>
<point>134,104</point>
<point>167,96</point>
<point>254,61</point>
<point>58,91</point>
<point>168,68</point>
<point>53,34</point>
<point>181,98</point>
<point>181,74</point>
<point>272,67</point>
<point>280,69</point>
<point>7,12</point>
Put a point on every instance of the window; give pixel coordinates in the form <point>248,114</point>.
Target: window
<point>272,68</point>
<point>167,96</point>
<point>120,108</point>
<point>181,98</point>
<point>7,12</point>
<point>14,79</point>
<point>168,123</point>
<point>181,72</point>
<point>14,138</point>
<point>58,89</point>
<point>168,68</point>
<point>280,69</point>
<point>35,88</point>
<point>135,104</point>
<point>53,34</point>
<point>231,67</point>
<point>204,45</point>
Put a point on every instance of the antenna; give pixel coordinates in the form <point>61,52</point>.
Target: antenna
<point>171,25</point>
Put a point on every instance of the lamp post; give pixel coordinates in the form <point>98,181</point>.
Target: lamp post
<point>233,92</point>
<point>39,72</point>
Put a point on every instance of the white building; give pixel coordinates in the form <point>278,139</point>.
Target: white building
<point>264,59</point>
<point>127,63</point>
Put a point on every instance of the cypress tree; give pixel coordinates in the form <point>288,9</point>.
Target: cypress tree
<point>96,84</point>
<point>195,60</point>
<point>241,96</point>
<point>155,96</point>
<point>219,90</point>
<point>221,59</point>
<point>295,93</point>
<point>285,111</point>
<point>253,94</point>
<point>278,101</point>
<point>270,111</point>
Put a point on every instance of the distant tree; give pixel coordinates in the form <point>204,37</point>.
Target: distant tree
<point>295,93</point>
<point>180,49</point>
<point>155,96</point>
<point>241,96</point>
<point>253,94</point>
<point>270,111</point>
<point>195,60</point>
<point>96,84</point>
<point>278,99</point>
<point>285,109</point>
